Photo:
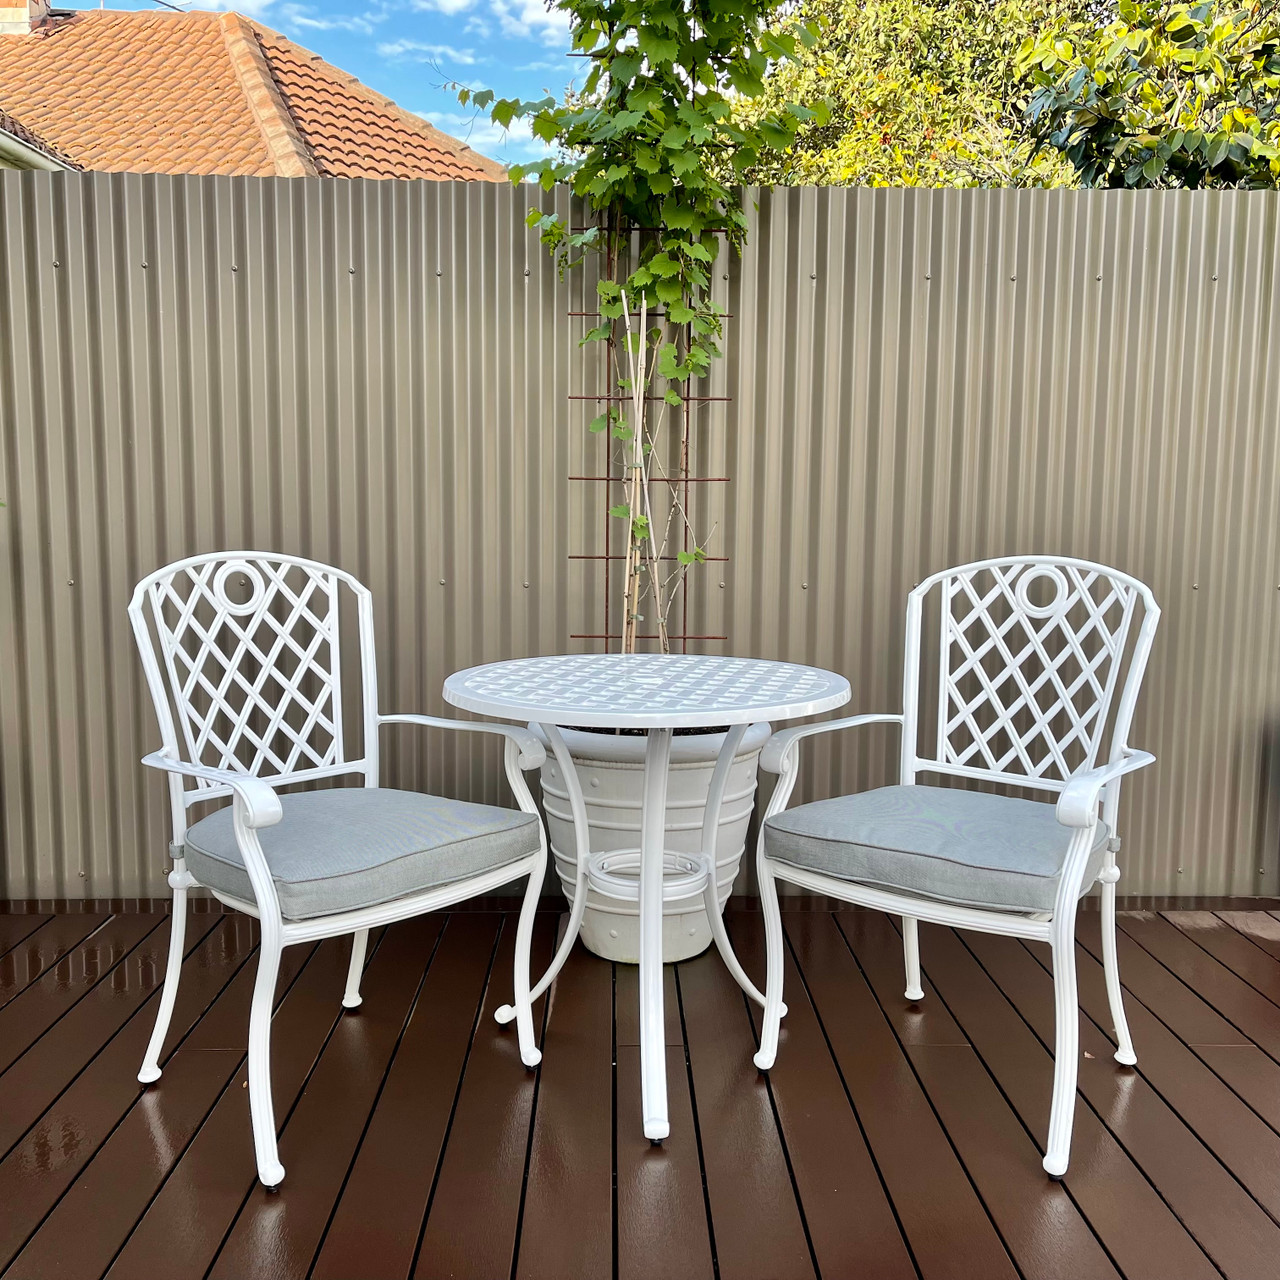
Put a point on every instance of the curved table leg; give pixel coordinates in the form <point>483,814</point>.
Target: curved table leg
<point>653,833</point>
<point>582,839</point>
<point>711,895</point>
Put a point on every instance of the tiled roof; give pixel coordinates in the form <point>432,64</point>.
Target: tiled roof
<point>16,129</point>
<point>146,92</point>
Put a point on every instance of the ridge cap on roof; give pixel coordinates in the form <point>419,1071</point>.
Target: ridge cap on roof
<point>492,169</point>
<point>289,154</point>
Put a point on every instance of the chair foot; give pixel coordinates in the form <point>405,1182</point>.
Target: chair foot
<point>352,1002</point>
<point>504,1013</point>
<point>1126,1057</point>
<point>915,994</point>
<point>764,1060</point>
<point>148,1075</point>
<point>532,1058</point>
<point>271,1177</point>
<point>1055,1165</point>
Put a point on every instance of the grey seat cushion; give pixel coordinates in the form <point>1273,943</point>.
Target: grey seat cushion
<point>937,842</point>
<point>342,848</point>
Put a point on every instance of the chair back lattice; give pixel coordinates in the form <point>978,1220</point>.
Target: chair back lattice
<point>250,650</point>
<point>1031,653</point>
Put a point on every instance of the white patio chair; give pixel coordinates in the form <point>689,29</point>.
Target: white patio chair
<point>242,653</point>
<point>1031,652</point>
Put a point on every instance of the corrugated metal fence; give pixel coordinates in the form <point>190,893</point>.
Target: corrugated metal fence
<point>378,374</point>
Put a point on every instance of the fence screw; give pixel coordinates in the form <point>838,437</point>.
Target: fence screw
<point>56,263</point>
<point>144,267</point>
<point>526,270</point>
<point>927,276</point>
<point>439,272</point>
<point>1215,277</point>
<point>722,587</point>
<point>1195,586</point>
<point>1098,277</point>
<point>71,582</point>
<point>804,586</point>
<point>442,582</point>
<point>1013,277</point>
<point>526,586</point>
<point>351,271</point>
<point>234,267</point>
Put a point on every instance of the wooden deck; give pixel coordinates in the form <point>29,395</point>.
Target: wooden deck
<point>889,1141</point>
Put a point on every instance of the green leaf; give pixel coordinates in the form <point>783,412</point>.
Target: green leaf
<point>598,424</point>
<point>621,511</point>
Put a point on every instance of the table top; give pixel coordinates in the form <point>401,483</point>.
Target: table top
<point>645,690</point>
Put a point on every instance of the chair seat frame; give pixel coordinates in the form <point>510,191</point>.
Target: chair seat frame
<point>1086,796</point>
<point>256,806</point>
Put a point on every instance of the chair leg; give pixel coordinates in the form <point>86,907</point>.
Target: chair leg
<point>768,1050</point>
<point>261,1106</point>
<point>530,1054</point>
<point>1066,1049</point>
<point>1111,967</point>
<point>911,955</point>
<point>150,1071</point>
<point>359,945</point>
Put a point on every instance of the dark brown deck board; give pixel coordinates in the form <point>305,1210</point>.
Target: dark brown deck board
<point>571,1159</point>
<point>88,1226</point>
<point>830,1160</point>
<point>44,948</point>
<point>662,1219</point>
<point>1230,948</point>
<point>481,1176</point>
<point>38,1171</point>
<point>39,1075</point>
<point>185,1224</point>
<point>935,1201</point>
<point>1139,1230</point>
<point>375,1227</point>
<point>1260,927</point>
<point>888,1141</point>
<point>1227,1222</point>
<point>1232,997</point>
<point>753,1204</point>
<point>1038,1221</point>
<point>281,1235</point>
<point>15,928</point>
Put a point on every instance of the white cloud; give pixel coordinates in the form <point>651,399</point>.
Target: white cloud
<point>527,19</point>
<point>479,27</point>
<point>450,7</point>
<point>304,16</point>
<point>250,8</point>
<point>421,51</point>
<point>508,145</point>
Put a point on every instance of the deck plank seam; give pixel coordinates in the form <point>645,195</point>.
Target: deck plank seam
<point>382,1084</point>
<point>457,1094</point>
<point>844,1085</point>
<point>281,1124</point>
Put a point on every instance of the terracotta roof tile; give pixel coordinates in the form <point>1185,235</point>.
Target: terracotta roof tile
<point>16,129</point>
<point>200,92</point>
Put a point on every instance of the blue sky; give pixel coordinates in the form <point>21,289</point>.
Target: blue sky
<point>409,50</point>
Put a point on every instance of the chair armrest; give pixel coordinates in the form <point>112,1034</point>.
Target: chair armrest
<point>773,757</point>
<point>262,805</point>
<point>532,752</point>
<point>1079,798</point>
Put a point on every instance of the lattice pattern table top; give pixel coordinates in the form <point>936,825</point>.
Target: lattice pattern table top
<point>645,690</point>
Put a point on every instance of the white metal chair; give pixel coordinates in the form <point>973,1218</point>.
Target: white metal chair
<point>242,653</point>
<point>1030,657</point>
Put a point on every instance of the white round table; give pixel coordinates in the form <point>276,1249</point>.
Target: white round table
<point>656,693</point>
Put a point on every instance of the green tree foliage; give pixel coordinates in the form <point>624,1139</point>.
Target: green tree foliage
<point>921,93</point>
<point>1167,95</point>
<point>651,142</point>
